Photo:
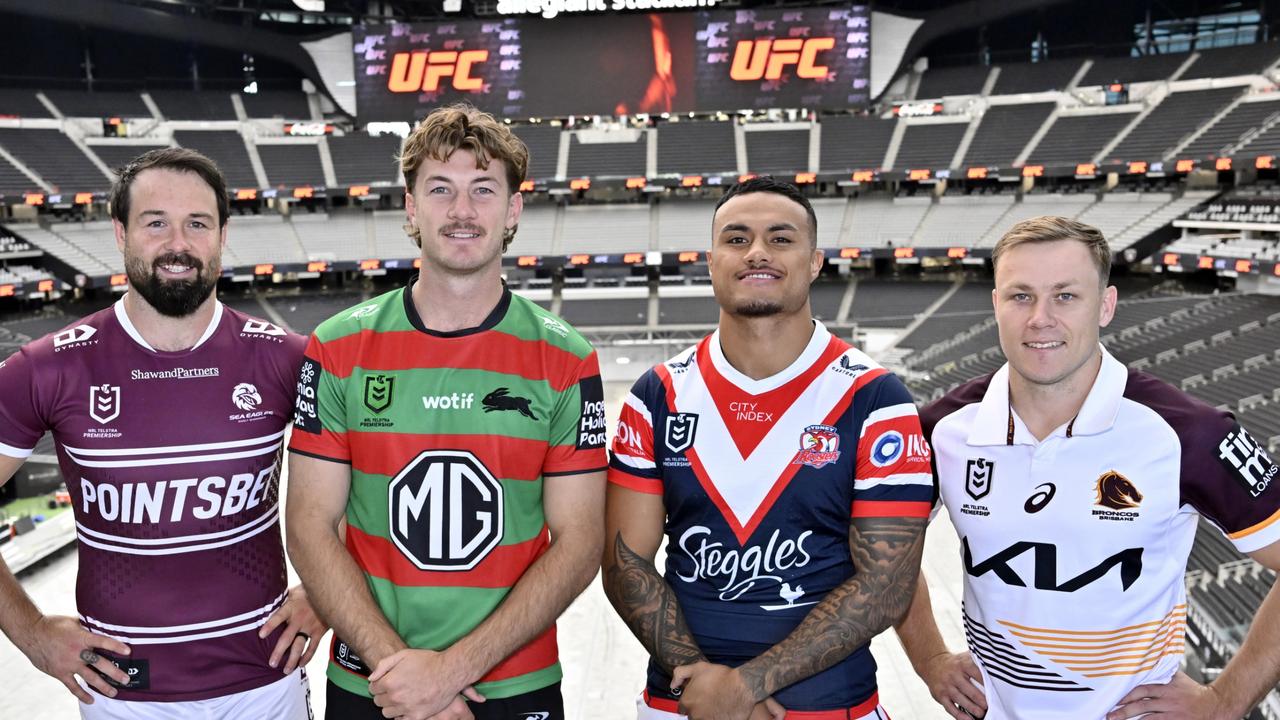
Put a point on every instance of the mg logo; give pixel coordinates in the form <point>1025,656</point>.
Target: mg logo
<point>767,59</point>
<point>411,72</point>
<point>446,510</point>
<point>104,403</point>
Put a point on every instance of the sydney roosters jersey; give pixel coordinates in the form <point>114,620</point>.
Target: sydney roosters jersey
<point>761,479</point>
<point>172,461</point>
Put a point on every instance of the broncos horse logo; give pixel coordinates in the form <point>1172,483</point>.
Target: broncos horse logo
<point>502,399</point>
<point>1116,492</point>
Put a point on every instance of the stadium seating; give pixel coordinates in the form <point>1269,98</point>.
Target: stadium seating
<point>116,155</point>
<point>937,83</point>
<point>607,153</point>
<point>958,220</point>
<point>543,142</point>
<point>99,104</point>
<point>193,105</point>
<point>852,142</point>
<point>1233,61</point>
<point>283,104</point>
<point>360,159</point>
<point>292,164</point>
<point>696,148</point>
<point>15,102</point>
<point>1132,69</point>
<point>1174,118</point>
<point>1004,131</point>
<point>1017,78</point>
<point>1218,139</point>
<point>55,158</point>
<point>606,228</point>
<point>13,181</point>
<point>1078,138</point>
<point>227,149</point>
<point>931,145</point>
<point>778,151</point>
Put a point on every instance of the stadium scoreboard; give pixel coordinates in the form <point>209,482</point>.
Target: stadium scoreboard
<point>704,61</point>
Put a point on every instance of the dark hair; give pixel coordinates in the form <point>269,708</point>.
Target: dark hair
<point>177,159</point>
<point>768,184</point>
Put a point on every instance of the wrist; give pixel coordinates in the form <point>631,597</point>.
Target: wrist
<point>752,677</point>
<point>1227,705</point>
<point>459,664</point>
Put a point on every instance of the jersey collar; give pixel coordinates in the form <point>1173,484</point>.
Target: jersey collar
<point>817,344</point>
<point>997,424</point>
<point>123,318</point>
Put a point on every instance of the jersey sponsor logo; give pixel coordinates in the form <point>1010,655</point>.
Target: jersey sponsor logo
<point>138,670</point>
<point>501,400</point>
<point>680,431</point>
<point>979,474</point>
<point>306,412</point>
<point>1040,498</point>
<point>362,311</point>
<point>262,328</point>
<point>819,446</point>
<point>454,401</point>
<point>591,422</point>
<point>540,715</point>
<point>918,449</point>
<point>77,336</point>
<point>345,656</point>
<point>1118,495</point>
<point>445,510</point>
<point>746,411</point>
<point>735,571</point>
<point>887,448</point>
<point>627,440</point>
<point>175,374</point>
<point>1045,572</point>
<point>378,392</point>
<point>1247,460</point>
<point>246,397</point>
<point>555,326</point>
<point>845,366</point>
<point>172,501</point>
<point>104,403</point>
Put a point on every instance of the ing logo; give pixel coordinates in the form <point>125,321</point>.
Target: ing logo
<point>766,59</point>
<point>423,70</point>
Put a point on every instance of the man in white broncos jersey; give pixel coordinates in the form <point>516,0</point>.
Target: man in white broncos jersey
<point>168,411</point>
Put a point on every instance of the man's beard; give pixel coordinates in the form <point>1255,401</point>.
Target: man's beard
<point>758,309</point>
<point>174,298</point>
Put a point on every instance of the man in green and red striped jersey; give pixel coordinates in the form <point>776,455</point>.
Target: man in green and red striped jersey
<point>459,429</point>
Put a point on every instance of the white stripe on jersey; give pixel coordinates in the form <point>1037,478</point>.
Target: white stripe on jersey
<point>899,479</point>
<point>172,629</point>
<point>266,522</point>
<point>183,460</point>
<point>94,452</point>
<point>636,462</point>
<point>887,413</point>
<point>14,452</point>
<point>266,517</point>
<point>639,407</point>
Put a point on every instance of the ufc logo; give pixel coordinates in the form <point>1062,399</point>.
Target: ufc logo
<point>767,59</point>
<point>411,72</point>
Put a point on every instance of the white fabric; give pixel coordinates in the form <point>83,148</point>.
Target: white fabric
<point>288,698</point>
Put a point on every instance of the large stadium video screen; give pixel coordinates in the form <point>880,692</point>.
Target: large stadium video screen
<point>620,64</point>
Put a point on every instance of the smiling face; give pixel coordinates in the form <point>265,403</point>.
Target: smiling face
<point>1050,306</point>
<point>172,244</point>
<point>763,256</point>
<point>461,212</point>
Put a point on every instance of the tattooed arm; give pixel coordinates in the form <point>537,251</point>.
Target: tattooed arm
<point>633,531</point>
<point>886,557</point>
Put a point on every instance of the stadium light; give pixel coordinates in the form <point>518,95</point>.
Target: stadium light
<point>1185,166</point>
<point>264,269</point>
<point>957,253</point>
<point>919,174</point>
<point>7,290</point>
<point>1138,167</point>
<point>1244,266</point>
<point>1032,171</point>
<point>636,183</point>
<point>33,198</point>
<point>526,186</point>
<point>688,256</point>
<point>580,184</point>
<point>903,253</point>
<point>580,259</point>
<point>861,176</point>
<point>247,194</point>
<point>1086,170</point>
<point>45,286</point>
<point>1205,263</point>
<point>119,280</point>
<point>1265,162</point>
<point>84,198</point>
<point>1171,259</point>
<point>976,173</point>
<point>806,178</point>
<point>633,258</point>
<point>691,181</point>
<point>1222,164</point>
<point>527,261</point>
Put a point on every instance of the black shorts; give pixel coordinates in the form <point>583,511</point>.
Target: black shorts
<point>542,704</point>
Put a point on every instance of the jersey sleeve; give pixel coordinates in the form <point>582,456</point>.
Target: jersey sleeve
<point>21,417</point>
<point>893,476</point>
<point>320,411</point>
<point>577,438</point>
<point>1229,477</point>
<point>632,463</point>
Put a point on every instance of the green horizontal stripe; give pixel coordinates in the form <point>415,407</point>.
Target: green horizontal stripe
<point>434,617</point>
<point>367,507</point>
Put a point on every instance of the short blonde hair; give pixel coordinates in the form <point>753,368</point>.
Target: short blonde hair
<point>463,127</point>
<point>1050,228</point>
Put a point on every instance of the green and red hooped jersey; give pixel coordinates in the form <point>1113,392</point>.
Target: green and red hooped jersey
<point>449,436</point>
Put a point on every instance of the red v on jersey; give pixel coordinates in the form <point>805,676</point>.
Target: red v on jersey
<point>748,416</point>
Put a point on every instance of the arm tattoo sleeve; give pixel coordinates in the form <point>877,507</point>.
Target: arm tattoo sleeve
<point>886,559</point>
<point>649,607</point>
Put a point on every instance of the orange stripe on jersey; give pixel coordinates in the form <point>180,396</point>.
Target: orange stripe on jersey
<point>649,486</point>
<point>509,458</point>
<point>1105,653</point>
<point>1256,527</point>
<point>890,508</point>
<point>541,652</point>
<point>377,556</point>
<point>413,350</point>
<point>1178,610</point>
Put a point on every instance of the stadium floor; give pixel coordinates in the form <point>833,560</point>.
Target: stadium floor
<point>603,663</point>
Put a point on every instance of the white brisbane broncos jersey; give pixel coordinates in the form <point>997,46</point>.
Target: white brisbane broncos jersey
<point>760,480</point>
<point>1074,547</point>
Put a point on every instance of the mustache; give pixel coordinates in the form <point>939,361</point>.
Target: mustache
<point>461,227</point>
<point>178,259</point>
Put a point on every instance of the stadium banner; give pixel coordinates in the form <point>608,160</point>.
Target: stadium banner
<point>630,63</point>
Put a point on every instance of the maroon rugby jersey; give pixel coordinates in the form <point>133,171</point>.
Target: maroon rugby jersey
<point>172,460</point>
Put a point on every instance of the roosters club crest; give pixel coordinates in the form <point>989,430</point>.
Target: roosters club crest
<point>819,446</point>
